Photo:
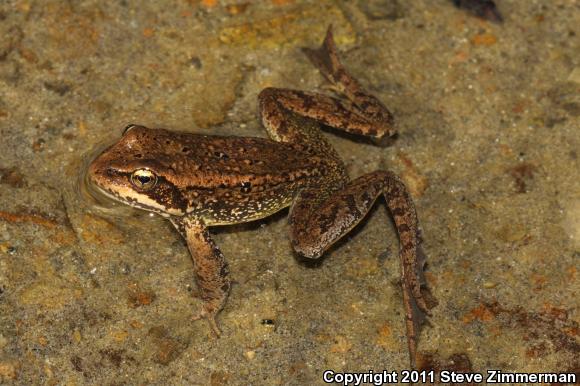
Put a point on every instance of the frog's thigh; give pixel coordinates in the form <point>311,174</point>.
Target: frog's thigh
<point>317,224</point>
<point>333,112</point>
<point>209,264</point>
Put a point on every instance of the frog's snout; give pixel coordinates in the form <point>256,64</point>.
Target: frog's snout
<point>97,172</point>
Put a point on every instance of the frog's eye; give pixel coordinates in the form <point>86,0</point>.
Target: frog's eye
<point>143,179</point>
<point>128,128</point>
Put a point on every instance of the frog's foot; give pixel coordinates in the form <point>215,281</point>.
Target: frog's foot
<point>414,318</point>
<point>211,319</point>
<point>326,60</point>
<point>420,300</point>
<point>379,119</point>
<point>412,274</point>
<point>333,88</point>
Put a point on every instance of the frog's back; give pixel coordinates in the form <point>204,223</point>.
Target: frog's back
<point>192,161</point>
<point>220,179</point>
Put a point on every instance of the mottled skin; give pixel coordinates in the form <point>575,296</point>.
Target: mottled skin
<point>199,181</point>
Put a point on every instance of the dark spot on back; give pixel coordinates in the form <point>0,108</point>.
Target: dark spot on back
<point>221,155</point>
<point>246,187</point>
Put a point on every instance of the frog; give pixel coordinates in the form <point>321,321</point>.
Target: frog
<point>200,181</point>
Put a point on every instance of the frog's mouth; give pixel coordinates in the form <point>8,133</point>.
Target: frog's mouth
<point>136,200</point>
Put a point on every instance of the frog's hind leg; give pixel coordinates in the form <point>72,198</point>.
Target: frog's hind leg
<point>379,120</point>
<point>283,111</point>
<point>210,268</point>
<point>277,104</point>
<point>285,121</point>
<point>318,223</point>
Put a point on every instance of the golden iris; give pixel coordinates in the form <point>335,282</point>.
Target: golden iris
<point>143,179</point>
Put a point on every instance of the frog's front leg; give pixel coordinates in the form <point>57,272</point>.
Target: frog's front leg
<point>209,265</point>
<point>319,218</point>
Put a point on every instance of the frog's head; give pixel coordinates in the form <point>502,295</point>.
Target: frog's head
<point>133,171</point>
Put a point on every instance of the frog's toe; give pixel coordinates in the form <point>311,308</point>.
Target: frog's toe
<point>422,305</point>
<point>213,326</point>
<point>420,299</point>
<point>211,319</point>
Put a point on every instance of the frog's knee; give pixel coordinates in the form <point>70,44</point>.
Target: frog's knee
<point>307,249</point>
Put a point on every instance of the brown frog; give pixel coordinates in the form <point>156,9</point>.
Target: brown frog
<point>198,181</point>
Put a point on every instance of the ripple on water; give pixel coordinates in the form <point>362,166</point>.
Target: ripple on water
<point>99,203</point>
